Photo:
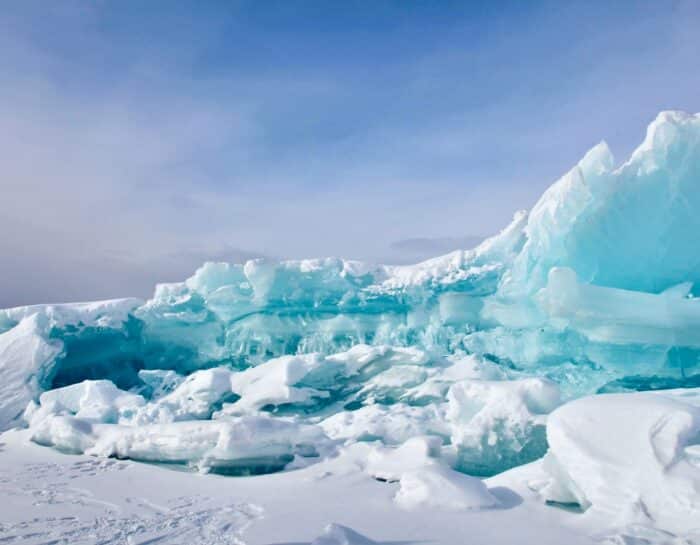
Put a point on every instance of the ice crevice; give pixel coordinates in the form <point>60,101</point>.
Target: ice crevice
<point>538,341</point>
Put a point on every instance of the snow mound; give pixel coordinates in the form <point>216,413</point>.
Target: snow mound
<point>631,458</point>
<point>425,480</point>
<point>337,534</point>
<point>390,464</point>
<point>440,487</point>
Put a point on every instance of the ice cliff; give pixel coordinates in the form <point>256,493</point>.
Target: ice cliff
<point>248,367</point>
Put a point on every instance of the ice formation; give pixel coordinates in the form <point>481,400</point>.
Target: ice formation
<point>634,458</point>
<point>246,368</point>
<point>425,479</point>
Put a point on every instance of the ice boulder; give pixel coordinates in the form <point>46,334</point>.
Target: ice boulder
<point>425,479</point>
<point>633,459</point>
<point>499,424</point>
<point>198,395</point>
<point>275,382</point>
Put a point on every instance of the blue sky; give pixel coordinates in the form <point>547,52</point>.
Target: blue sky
<point>141,138</point>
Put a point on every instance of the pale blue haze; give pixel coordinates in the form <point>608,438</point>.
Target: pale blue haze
<point>140,139</point>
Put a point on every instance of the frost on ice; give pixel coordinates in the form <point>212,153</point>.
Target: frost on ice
<point>250,367</point>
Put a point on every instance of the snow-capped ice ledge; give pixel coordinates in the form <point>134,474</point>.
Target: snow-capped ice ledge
<point>252,366</point>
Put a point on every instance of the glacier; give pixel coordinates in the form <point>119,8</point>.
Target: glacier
<point>581,312</point>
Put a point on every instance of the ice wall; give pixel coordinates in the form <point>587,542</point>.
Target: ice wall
<point>591,291</point>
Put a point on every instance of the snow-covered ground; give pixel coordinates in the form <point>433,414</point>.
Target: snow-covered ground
<point>632,461</point>
<point>50,497</point>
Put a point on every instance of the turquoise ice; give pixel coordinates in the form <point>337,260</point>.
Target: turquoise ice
<point>593,290</point>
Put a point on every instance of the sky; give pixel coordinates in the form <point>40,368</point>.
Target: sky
<point>140,139</point>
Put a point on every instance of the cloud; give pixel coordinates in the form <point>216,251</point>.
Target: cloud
<point>136,144</point>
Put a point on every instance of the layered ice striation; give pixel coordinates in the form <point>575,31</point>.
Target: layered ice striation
<point>257,364</point>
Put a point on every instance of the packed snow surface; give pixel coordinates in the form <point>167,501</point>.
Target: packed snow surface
<point>571,338</point>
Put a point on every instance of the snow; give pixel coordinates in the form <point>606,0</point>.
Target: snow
<point>337,534</point>
<point>108,313</point>
<point>390,464</point>
<point>48,496</point>
<point>272,383</point>
<point>426,480</point>
<point>468,395</point>
<point>628,458</point>
<point>440,487</point>
<point>25,359</point>
<point>392,425</point>
<point>94,400</point>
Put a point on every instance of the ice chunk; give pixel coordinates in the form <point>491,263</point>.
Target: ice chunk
<point>425,480</point>
<point>160,382</point>
<point>246,444</point>
<point>93,400</point>
<point>628,457</point>
<point>305,379</point>
<point>392,384</point>
<point>362,355</point>
<point>499,424</point>
<point>337,534</point>
<point>628,229</point>
<point>198,395</point>
<point>621,316</point>
<point>26,360</point>
<point>274,383</point>
<point>434,388</point>
<point>392,424</point>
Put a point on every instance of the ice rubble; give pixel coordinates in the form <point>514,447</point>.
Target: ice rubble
<point>479,424</point>
<point>425,479</point>
<point>594,290</point>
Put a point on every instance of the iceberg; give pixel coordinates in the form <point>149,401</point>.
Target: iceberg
<point>594,290</point>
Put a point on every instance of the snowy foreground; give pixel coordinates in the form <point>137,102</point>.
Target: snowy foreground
<point>543,387</point>
<point>626,458</point>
